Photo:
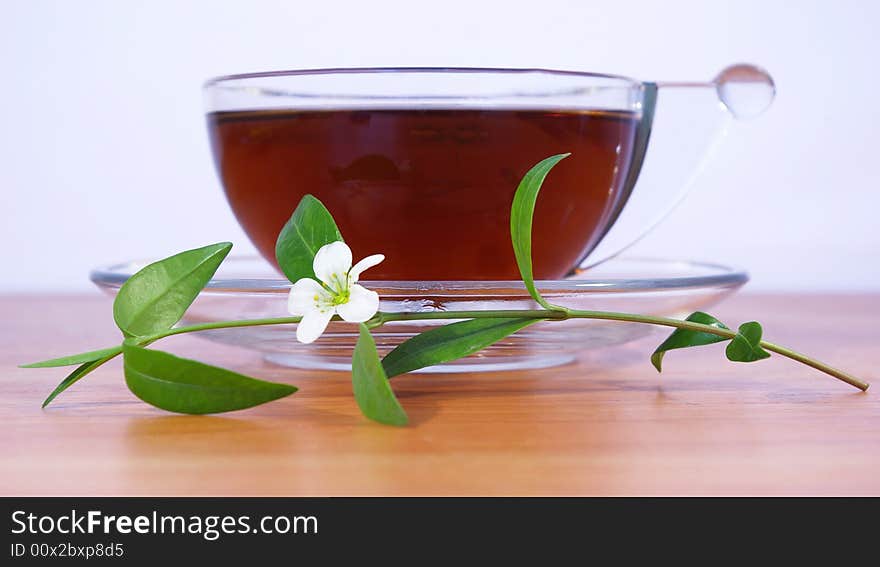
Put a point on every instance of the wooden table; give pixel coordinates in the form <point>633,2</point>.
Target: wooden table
<point>608,424</point>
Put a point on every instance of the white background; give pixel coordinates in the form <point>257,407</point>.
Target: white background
<point>104,154</point>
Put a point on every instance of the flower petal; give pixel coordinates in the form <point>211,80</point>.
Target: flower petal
<point>332,262</point>
<point>313,324</point>
<point>362,304</point>
<point>306,295</point>
<point>355,272</point>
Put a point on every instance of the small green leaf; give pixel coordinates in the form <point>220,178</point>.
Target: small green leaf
<point>449,342</point>
<point>157,296</point>
<point>372,391</point>
<point>79,373</point>
<point>746,345</point>
<point>80,358</point>
<point>188,386</point>
<point>684,338</point>
<point>521,214</point>
<point>310,227</point>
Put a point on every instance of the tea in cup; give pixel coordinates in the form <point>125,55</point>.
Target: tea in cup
<point>422,164</point>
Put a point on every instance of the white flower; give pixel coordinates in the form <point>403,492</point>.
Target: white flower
<point>337,292</point>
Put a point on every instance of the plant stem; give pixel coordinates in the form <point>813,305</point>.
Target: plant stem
<point>839,374</point>
<point>786,352</point>
<point>630,318</point>
<point>382,318</point>
<point>219,325</point>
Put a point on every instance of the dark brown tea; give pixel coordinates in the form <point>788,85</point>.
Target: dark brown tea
<point>430,189</point>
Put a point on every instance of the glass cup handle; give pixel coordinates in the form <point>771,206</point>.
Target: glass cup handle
<point>684,132</point>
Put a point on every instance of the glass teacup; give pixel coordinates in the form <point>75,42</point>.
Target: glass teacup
<point>422,164</point>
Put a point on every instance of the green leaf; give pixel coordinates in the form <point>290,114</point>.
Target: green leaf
<point>187,386</point>
<point>80,358</point>
<point>684,338</point>
<point>521,214</point>
<point>79,373</point>
<point>310,227</point>
<point>372,391</point>
<point>157,296</point>
<point>449,342</point>
<point>746,345</point>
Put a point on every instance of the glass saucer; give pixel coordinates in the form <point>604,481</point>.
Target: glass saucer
<point>249,288</point>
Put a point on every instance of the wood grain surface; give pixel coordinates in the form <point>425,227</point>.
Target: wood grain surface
<point>606,425</point>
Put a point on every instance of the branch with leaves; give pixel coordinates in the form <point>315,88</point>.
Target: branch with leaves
<point>313,255</point>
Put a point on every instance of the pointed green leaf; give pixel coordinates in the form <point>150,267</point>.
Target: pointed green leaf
<point>684,338</point>
<point>69,381</point>
<point>521,214</point>
<point>746,345</point>
<point>72,359</point>
<point>372,391</point>
<point>78,374</point>
<point>188,386</point>
<point>449,342</point>
<point>157,296</point>
<point>310,227</point>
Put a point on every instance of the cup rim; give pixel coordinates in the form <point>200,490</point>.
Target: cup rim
<point>220,79</point>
